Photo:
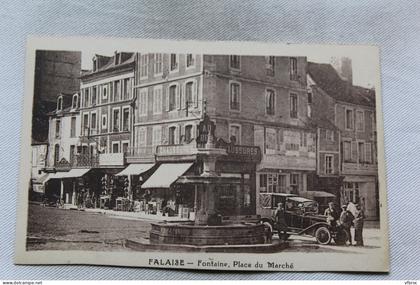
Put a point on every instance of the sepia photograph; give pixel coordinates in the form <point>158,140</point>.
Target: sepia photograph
<point>212,156</point>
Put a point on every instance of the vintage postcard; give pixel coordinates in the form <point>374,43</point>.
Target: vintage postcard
<point>202,155</point>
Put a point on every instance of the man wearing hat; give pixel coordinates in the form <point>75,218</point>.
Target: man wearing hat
<point>358,226</point>
<point>332,214</point>
<point>346,219</point>
<point>280,221</point>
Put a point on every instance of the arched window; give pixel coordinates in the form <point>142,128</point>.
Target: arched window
<point>75,103</point>
<point>60,103</point>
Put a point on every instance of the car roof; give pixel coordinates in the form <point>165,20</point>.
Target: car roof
<point>280,194</point>
<point>300,199</point>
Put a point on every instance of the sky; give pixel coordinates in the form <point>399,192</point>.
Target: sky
<point>364,74</point>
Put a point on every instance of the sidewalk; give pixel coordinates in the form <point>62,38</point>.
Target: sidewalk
<point>137,215</point>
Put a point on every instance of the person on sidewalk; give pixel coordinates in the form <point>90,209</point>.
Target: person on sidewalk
<point>358,226</point>
<point>280,221</point>
<point>346,219</point>
<point>332,214</point>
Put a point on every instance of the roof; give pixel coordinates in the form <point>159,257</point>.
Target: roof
<point>109,62</point>
<point>321,122</point>
<point>327,78</point>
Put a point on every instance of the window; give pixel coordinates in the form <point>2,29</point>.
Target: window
<point>368,155</point>
<point>94,91</point>
<point>189,96</point>
<point>351,192</point>
<point>270,102</point>
<point>158,64</point>
<point>347,151</point>
<point>349,119</point>
<point>157,100</point>
<point>360,121</point>
<point>127,88</point>
<point>235,90</point>
<point>190,60</point>
<point>116,120</point>
<point>272,183</point>
<point>86,98</point>
<point>294,182</point>
<point>104,122</point>
<point>93,121</point>
<point>144,64</point>
<point>293,68</point>
<point>56,153</point>
<point>235,134</point>
<point>269,65</point>
<point>293,106</point>
<point>72,148</point>
<point>73,127</point>
<point>60,103</point>
<point>57,128</point>
<point>235,62</point>
<point>126,119</point>
<point>105,92</point>
<point>271,140</point>
<point>174,61</point>
<point>75,102</point>
<point>329,164</point>
<point>157,135</point>
<point>117,90</point>
<point>85,124</point>
<point>115,147</point>
<point>172,97</point>
<point>329,135</point>
<point>361,149</point>
<point>171,135</point>
<point>125,147</point>
<point>143,102</point>
<point>188,133</point>
<point>309,110</point>
<point>142,138</point>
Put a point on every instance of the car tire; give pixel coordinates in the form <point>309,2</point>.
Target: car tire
<point>323,235</point>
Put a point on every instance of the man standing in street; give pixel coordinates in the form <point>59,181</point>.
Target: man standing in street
<point>332,214</point>
<point>358,226</point>
<point>346,219</point>
<point>280,221</point>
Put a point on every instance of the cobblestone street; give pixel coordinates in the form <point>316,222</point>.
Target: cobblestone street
<point>58,229</point>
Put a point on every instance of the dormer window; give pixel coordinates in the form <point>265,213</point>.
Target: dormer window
<point>95,64</point>
<point>60,103</point>
<point>75,102</point>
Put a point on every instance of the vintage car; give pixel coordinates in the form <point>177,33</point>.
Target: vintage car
<point>302,218</point>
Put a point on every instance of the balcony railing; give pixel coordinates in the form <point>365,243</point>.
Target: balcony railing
<point>141,151</point>
<point>85,160</point>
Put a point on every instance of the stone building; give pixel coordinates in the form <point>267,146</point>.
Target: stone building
<point>352,110</point>
<point>55,72</point>
<point>257,108</point>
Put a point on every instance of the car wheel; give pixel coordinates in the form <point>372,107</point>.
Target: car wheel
<point>323,235</point>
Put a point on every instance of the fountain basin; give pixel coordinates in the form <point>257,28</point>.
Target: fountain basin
<point>190,234</point>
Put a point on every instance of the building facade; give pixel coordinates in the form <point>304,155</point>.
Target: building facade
<point>352,109</point>
<point>258,106</point>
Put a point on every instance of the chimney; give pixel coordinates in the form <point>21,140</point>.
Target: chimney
<point>344,68</point>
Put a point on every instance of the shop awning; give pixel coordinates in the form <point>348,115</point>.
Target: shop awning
<point>135,169</point>
<point>57,175</point>
<point>76,172</point>
<point>73,173</point>
<point>166,174</point>
<point>42,179</point>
